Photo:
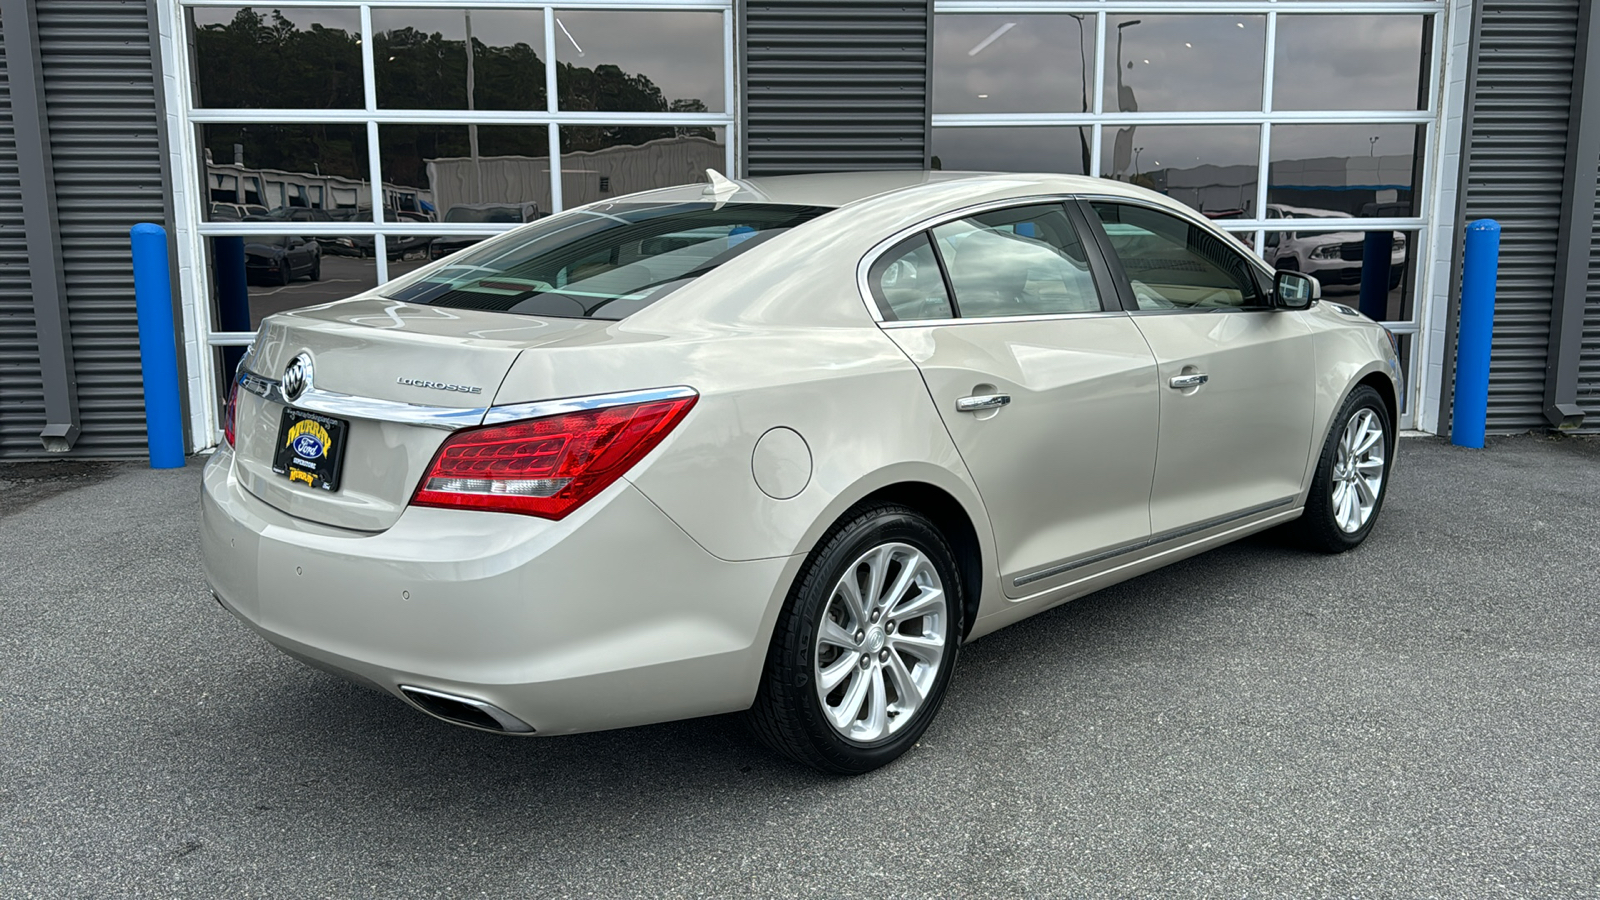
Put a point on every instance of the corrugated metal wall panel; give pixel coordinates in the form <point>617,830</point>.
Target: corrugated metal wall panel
<point>1589,359</point>
<point>834,86</point>
<point>1515,164</point>
<point>21,388</point>
<point>101,102</point>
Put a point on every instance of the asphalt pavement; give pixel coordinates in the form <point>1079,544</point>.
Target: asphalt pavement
<point>1415,719</point>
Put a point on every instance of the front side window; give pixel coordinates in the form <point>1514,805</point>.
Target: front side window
<point>1175,264</point>
<point>1017,262</point>
<point>601,263</point>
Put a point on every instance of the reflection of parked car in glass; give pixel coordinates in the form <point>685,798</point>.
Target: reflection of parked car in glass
<point>280,259</point>
<point>227,212</point>
<point>510,213</point>
<point>1335,258</point>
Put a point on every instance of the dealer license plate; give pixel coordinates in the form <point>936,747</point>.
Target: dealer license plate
<point>310,449</point>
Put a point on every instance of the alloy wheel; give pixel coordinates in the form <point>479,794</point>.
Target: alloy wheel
<point>1358,470</point>
<point>883,635</point>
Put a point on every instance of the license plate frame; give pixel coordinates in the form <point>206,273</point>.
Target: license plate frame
<point>310,449</point>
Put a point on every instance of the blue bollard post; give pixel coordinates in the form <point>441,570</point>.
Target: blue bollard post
<point>1480,266</point>
<point>158,351</point>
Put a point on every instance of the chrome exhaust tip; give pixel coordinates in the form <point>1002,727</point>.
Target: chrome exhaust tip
<point>468,711</point>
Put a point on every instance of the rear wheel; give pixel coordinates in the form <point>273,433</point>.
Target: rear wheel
<point>1352,476</point>
<point>864,647</point>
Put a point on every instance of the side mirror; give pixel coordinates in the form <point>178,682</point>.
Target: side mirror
<point>1295,290</point>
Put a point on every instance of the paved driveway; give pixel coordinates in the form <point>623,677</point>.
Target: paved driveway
<point>1418,718</point>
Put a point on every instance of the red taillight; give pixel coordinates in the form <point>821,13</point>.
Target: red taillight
<point>233,405</point>
<point>546,467</point>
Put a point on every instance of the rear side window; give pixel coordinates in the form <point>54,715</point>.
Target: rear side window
<point>1026,261</point>
<point>1175,264</point>
<point>908,283</point>
<point>603,263</point>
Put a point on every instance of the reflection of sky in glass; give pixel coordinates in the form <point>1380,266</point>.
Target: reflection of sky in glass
<point>1209,167</point>
<point>1348,62</point>
<point>681,52</point>
<point>491,27</point>
<point>1022,63</point>
<point>1185,62</point>
<point>1348,141</point>
<point>1010,149</point>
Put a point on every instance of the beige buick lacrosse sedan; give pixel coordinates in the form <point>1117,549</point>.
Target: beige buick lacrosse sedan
<point>780,445</point>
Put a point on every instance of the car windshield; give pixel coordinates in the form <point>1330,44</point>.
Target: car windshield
<point>603,263</point>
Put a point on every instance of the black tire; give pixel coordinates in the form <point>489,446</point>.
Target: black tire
<point>316,268</point>
<point>1318,528</point>
<point>285,274</point>
<point>788,714</point>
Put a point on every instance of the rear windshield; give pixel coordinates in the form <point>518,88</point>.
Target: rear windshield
<point>602,263</point>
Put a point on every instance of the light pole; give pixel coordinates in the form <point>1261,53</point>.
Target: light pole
<point>1125,100</point>
<point>1136,152</point>
<point>1372,145</point>
<point>1083,70</point>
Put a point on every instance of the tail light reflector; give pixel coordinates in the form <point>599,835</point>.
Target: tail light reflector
<point>548,466</point>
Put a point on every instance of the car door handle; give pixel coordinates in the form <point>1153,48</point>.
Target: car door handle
<point>981,402</point>
<point>1184,382</point>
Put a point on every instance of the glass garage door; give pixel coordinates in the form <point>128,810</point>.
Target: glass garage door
<point>1304,128</point>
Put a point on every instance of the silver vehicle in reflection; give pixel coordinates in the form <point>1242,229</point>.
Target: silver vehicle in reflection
<point>1335,258</point>
<point>780,445</point>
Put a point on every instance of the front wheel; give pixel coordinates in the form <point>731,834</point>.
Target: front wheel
<point>1352,476</point>
<point>864,647</point>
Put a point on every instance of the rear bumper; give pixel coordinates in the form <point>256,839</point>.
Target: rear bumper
<point>609,618</point>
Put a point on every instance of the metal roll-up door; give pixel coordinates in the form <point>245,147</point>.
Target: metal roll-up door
<point>835,86</point>
<point>101,104</point>
<point>21,385</point>
<point>1516,157</point>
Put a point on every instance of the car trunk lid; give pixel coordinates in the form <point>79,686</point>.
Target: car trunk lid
<point>400,377</point>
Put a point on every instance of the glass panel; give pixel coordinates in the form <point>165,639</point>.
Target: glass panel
<point>420,58</point>
<point>603,161</point>
<point>907,282</point>
<point>601,265</point>
<point>1012,63</point>
<point>1351,62</point>
<point>637,61</point>
<point>1173,264</point>
<point>286,59</point>
<point>465,173</point>
<point>1017,262</point>
<point>1212,168</point>
<point>1184,62</point>
<point>1052,149</point>
<point>254,277</point>
<point>1374,271</point>
<point>269,170</point>
<point>1320,170</point>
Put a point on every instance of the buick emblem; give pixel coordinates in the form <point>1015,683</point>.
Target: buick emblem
<point>297,378</point>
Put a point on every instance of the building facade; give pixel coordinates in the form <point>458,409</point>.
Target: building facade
<point>303,151</point>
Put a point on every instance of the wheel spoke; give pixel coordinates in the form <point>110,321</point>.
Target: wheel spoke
<point>904,683</point>
<point>877,721</point>
<point>1368,495</point>
<point>1368,438</point>
<point>1352,519</point>
<point>849,709</point>
<point>930,600</point>
<point>902,582</point>
<point>877,569</point>
<point>833,634</point>
<point>1370,463</point>
<point>925,647</point>
<point>838,671</point>
<point>850,593</point>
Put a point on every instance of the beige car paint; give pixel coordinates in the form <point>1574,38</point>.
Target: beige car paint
<point>1043,459</point>
<point>1239,441</point>
<point>581,624</point>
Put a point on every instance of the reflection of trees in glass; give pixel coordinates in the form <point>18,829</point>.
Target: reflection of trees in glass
<point>255,62</point>
<point>419,70</point>
<point>316,149</point>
